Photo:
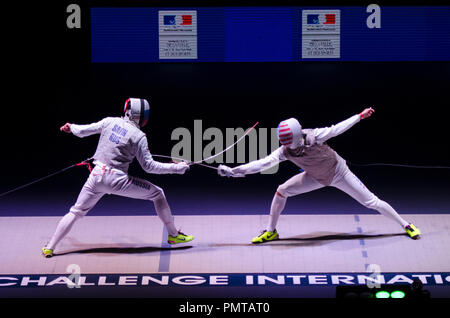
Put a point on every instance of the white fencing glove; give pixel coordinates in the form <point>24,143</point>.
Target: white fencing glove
<point>226,171</point>
<point>181,167</point>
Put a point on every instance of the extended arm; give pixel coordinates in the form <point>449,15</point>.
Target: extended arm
<point>84,130</point>
<point>147,163</point>
<point>255,166</point>
<point>323,134</point>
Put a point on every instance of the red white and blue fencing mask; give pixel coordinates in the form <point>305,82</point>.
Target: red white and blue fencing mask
<point>289,133</point>
<point>137,110</point>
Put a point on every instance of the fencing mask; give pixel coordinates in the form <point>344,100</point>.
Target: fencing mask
<point>289,133</point>
<point>137,110</point>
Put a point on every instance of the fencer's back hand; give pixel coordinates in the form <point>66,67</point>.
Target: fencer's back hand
<point>181,167</point>
<point>366,113</point>
<point>65,128</point>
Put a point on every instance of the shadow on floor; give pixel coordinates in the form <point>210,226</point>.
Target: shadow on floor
<point>313,239</point>
<point>326,236</point>
<point>317,238</point>
<point>321,238</point>
<point>122,250</point>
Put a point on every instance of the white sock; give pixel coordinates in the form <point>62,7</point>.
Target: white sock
<point>64,226</point>
<point>165,214</point>
<point>276,208</point>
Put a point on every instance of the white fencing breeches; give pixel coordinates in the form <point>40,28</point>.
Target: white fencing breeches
<point>347,182</point>
<point>104,180</point>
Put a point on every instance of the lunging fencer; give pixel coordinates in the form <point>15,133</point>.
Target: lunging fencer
<point>121,140</point>
<point>307,148</point>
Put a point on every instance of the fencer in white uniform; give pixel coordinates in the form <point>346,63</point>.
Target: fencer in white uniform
<point>121,140</point>
<point>322,167</point>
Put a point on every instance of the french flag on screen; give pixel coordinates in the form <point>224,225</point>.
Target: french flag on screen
<point>184,19</point>
<point>321,19</point>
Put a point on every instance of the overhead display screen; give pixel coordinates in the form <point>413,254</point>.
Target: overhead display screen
<point>270,34</point>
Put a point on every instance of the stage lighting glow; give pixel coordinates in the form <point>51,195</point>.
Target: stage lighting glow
<point>398,294</point>
<point>382,294</point>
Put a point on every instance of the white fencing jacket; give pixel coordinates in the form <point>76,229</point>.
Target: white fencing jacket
<point>314,155</point>
<point>120,141</point>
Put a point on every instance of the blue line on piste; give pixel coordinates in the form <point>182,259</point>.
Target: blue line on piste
<point>164,256</point>
<point>362,242</point>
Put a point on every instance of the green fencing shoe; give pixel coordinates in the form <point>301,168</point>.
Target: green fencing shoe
<point>47,252</point>
<point>265,236</point>
<point>412,231</point>
<point>180,238</point>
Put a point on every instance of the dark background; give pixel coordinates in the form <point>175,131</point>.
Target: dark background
<point>50,81</point>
